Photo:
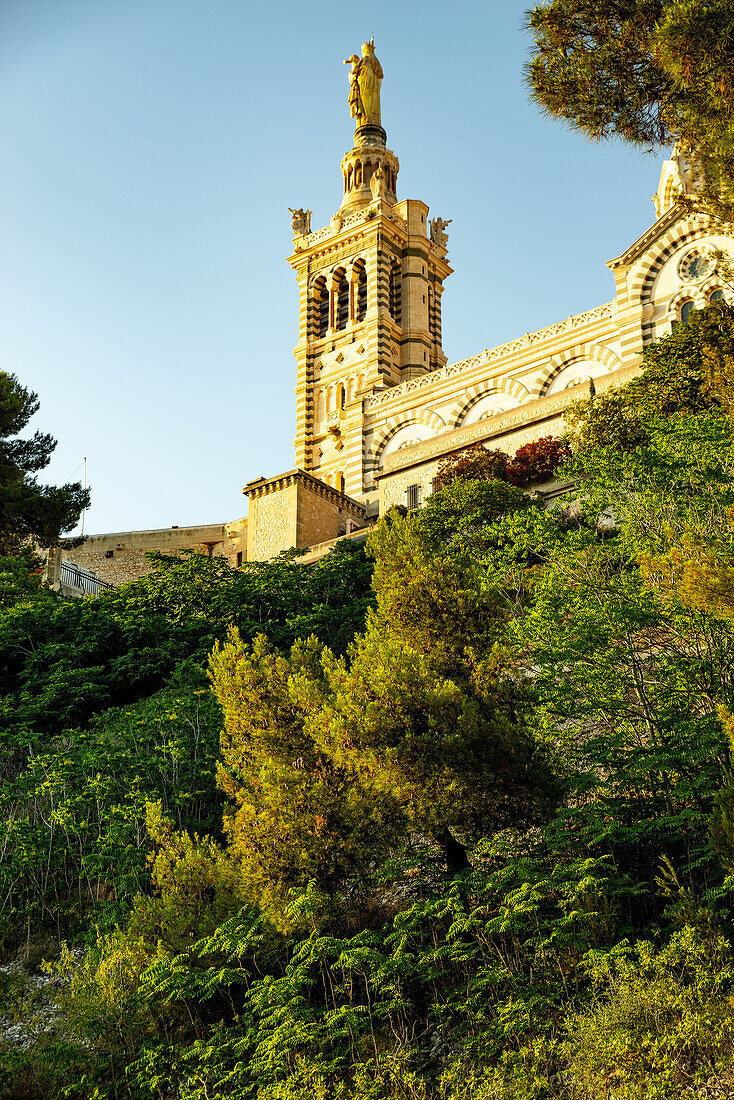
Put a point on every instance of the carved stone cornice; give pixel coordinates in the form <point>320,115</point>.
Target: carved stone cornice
<point>530,412</point>
<point>514,347</point>
<point>333,231</point>
<point>262,487</point>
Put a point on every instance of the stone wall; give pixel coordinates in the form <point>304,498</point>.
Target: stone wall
<point>324,516</point>
<point>394,489</point>
<point>235,546</point>
<point>297,509</point>
<point>272,524</point>
<point>121,556</point>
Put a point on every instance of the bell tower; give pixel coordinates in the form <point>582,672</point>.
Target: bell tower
<point>370,286</point>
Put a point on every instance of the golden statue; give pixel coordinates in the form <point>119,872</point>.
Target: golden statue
<point>365,78</point>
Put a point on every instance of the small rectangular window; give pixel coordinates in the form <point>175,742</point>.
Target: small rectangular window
<point>413,497</point>
<point>239,558</point>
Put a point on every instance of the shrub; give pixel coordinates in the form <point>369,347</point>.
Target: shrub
<point>661,1023</point>
<point>537,461</point>
<point>474,463</point>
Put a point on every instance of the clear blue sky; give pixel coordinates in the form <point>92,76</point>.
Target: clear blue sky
<point>150,151</point>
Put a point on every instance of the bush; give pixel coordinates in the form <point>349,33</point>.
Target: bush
<point>538,461</point>
<point>474,463</point>
<point>661,1022</point>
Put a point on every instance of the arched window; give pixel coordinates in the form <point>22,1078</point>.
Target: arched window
<point>396,292</point>
<point>358,174</point>
<point>716,296</point>
<point>340,396</point>
<point>685,311</point>
<point>360,290</point>
<point>320,407</point>
<point>341,299</point>
<point>320,308</point>
<point>339,482</point>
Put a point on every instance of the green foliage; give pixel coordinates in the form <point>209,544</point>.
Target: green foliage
<point>63,661</point>
<point>447,743</point>
<point>479,819</point>
<point>660,1021</point>
<point>609,419</point>
<point>464,514</point>
<point>332,762</point>
<point>29,510</point>
<point>74,838</point>
<point>300,815</point>
<point>20,578</point>
<point>630,672</point>
<point>579,46</point>
<point>279,598</point>
<point>678,370</point>
<point>683,372</point>
<point>430,580</point>
<point>195,886</point>
<point>649,71</point>
<point>722,817</point>
<point>90,732</point>
<point>441,988</point>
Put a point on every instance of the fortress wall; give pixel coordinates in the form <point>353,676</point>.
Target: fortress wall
<point>272,523</point>
<point>120,556</point>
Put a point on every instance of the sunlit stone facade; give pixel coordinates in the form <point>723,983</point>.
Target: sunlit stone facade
<point>378,406</point>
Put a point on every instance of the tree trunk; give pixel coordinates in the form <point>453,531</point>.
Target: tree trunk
<point>454,853</point>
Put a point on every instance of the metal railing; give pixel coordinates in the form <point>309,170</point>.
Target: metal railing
<point>73,576</point>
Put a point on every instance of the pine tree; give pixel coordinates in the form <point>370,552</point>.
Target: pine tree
<point>29,511</point>
<point>648,71</point>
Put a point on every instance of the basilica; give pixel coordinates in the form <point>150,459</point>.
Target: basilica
<point>378,405</point>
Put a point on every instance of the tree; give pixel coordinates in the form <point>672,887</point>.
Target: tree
<point>648,71</point>
<point>632,672</point>
<point>298,815</point>
<point>334,761</point>
<point>104,703</point>
<point>688,371</point>
<point>538,460</point>
<point>29,510</point>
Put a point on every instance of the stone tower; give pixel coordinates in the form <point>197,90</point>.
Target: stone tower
<point>370,286</point>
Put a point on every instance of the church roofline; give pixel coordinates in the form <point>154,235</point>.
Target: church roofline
<point>658,227</point>
<point>490,355</point>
